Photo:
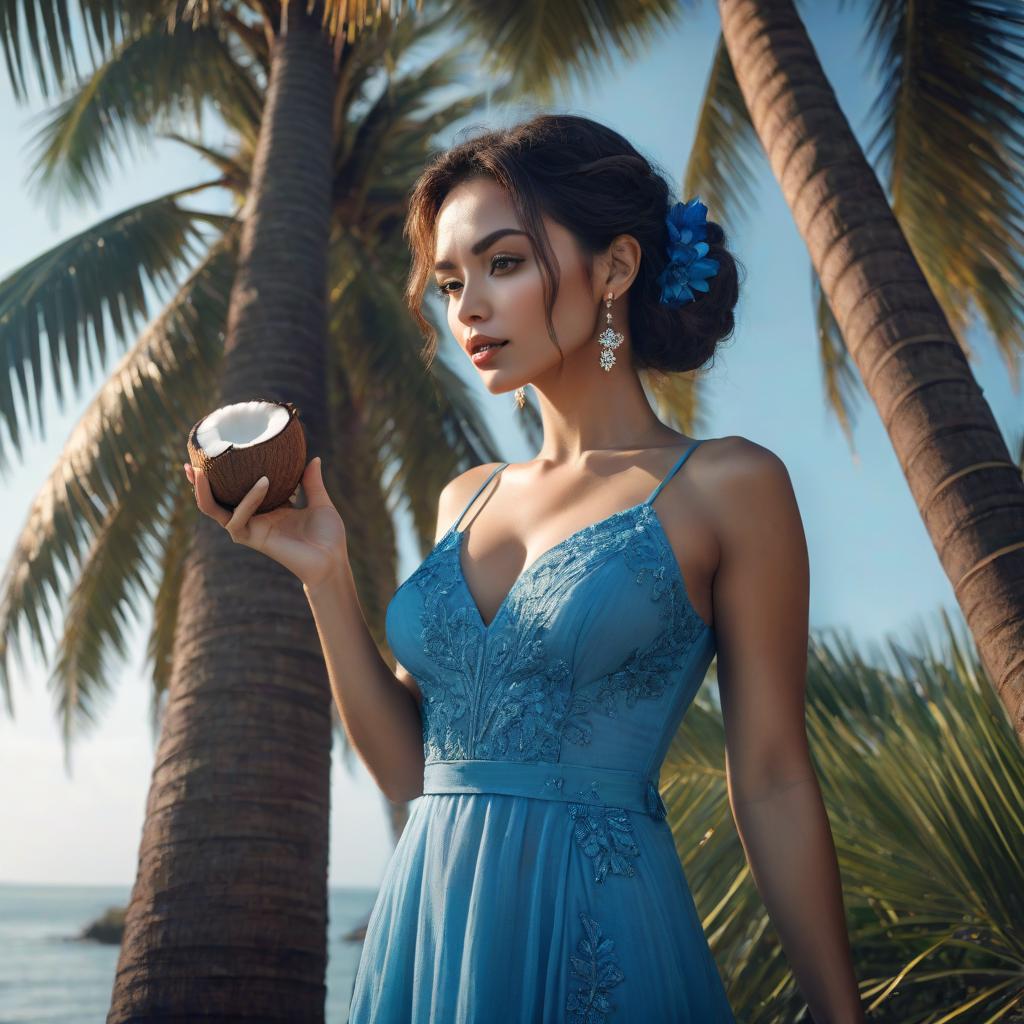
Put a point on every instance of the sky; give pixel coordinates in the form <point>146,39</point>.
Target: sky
<point>874,572</point>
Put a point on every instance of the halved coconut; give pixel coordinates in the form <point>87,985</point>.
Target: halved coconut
<point>237,444</point>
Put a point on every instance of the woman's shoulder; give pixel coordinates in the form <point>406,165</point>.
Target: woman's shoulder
<point>737,457</point>
<point>740,477</point>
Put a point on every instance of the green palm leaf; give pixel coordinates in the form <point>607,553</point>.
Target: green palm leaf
<point>726,155</point>
<point>157,79</point>
<point>922,779</point>
<point>543,46</point>
<point>43,28</point>
<point>40,32</point>
<point>107,488</point>
<point>844,388</point>
<point>949,139</point>
<point>181,519</point>
<point>88,284</point>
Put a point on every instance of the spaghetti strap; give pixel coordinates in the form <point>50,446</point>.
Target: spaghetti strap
<point>672,472</point>
<point>497,470</point>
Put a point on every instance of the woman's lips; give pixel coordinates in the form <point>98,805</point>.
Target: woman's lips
<point>483,357</point>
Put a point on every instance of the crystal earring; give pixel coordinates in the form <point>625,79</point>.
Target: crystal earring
<point>520,396</point>
<point>609,338</point>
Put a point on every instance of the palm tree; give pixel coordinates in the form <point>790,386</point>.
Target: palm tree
<point>234,846</point>
<point>892,280</point>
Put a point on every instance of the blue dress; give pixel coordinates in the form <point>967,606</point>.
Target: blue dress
<point>536,880</point>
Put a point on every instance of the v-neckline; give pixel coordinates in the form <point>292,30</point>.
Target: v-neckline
<point>589,527</point>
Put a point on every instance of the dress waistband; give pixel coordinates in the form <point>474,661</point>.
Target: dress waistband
<point>543,780</point>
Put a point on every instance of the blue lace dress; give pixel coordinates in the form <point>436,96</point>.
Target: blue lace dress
<point>536,880</point>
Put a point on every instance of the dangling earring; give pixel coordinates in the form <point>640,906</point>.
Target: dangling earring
<point>609,338</point>
<point>520,396</point>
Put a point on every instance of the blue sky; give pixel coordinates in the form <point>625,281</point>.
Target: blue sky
<point>873,569</point>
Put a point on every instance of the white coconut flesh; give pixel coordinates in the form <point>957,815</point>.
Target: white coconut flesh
<point>241,425</point>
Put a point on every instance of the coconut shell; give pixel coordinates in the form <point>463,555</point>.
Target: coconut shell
<point>233,471</point>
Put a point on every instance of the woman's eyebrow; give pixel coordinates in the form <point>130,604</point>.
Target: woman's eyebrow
<point>485,243</point>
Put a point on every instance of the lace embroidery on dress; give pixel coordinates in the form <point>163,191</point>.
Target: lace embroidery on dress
<point>520,717</point>
<point>596,965</point>
<point>605,834</point>
<point>648,670</point>
<point>532,705</point>
<point>454,641</point>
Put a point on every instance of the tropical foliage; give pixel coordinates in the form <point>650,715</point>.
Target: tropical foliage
<point>144,82</point>
<point>114,505</point>
<point>924,786</point>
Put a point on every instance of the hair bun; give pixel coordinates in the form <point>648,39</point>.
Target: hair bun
<point>590,179</point>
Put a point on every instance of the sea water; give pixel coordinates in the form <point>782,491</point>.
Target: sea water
<point>46,977</point>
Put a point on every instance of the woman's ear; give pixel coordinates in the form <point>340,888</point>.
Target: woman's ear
<point>624,256</point>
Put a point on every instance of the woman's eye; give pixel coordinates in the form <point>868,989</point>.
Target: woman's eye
<point>443,289</point>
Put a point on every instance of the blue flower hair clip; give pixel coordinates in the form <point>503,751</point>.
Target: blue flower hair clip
<point>688,267</point>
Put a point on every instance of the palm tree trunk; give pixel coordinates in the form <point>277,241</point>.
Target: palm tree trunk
<point>228,914</point>
<point>967,488</point>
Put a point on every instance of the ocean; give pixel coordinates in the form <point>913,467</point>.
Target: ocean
<point>45,978</point>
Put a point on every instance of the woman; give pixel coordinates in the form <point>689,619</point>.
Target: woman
<point>552,641</point>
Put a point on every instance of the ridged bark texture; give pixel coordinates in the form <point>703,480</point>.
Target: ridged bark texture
<point>228,914</point>
<point>966,485</point>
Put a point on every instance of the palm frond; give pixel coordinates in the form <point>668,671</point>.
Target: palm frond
<point>345,20</point>
<point>922,779</point>
<point>950,143</point>
<point>116,459</point>
<point>109,587</point>
<point>419,407</point>
<point>726,155</point>
<point>925,787</point>
<point>84,287</point>
<point>369,142</point>
<point>843,384</point>
<point>544,46</point>
<point>160,78</point>
<point>405,149</point>
<point>41,31</point>
<point>235,174</point>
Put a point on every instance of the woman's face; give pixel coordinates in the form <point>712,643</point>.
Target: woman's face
<point>493,286</point>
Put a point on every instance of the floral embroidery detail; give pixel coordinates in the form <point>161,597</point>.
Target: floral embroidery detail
<point>605,834</point>
<point>454,643</point>
<point>519,716</point>
<point>595,963</point>
<point>648,670</point>
<point>497,693</point>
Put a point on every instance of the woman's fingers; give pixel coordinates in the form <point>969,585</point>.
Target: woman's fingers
<point>313,485</point>
<point>239,520</point>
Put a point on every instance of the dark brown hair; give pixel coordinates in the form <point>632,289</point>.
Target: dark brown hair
<point>590,180</point>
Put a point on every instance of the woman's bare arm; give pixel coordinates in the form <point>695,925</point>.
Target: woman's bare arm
<point>380,709</point>
<point>380,715</point>
<point>761,615</point>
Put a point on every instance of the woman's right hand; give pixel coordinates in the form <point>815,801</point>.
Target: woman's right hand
<point>309,542</point>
